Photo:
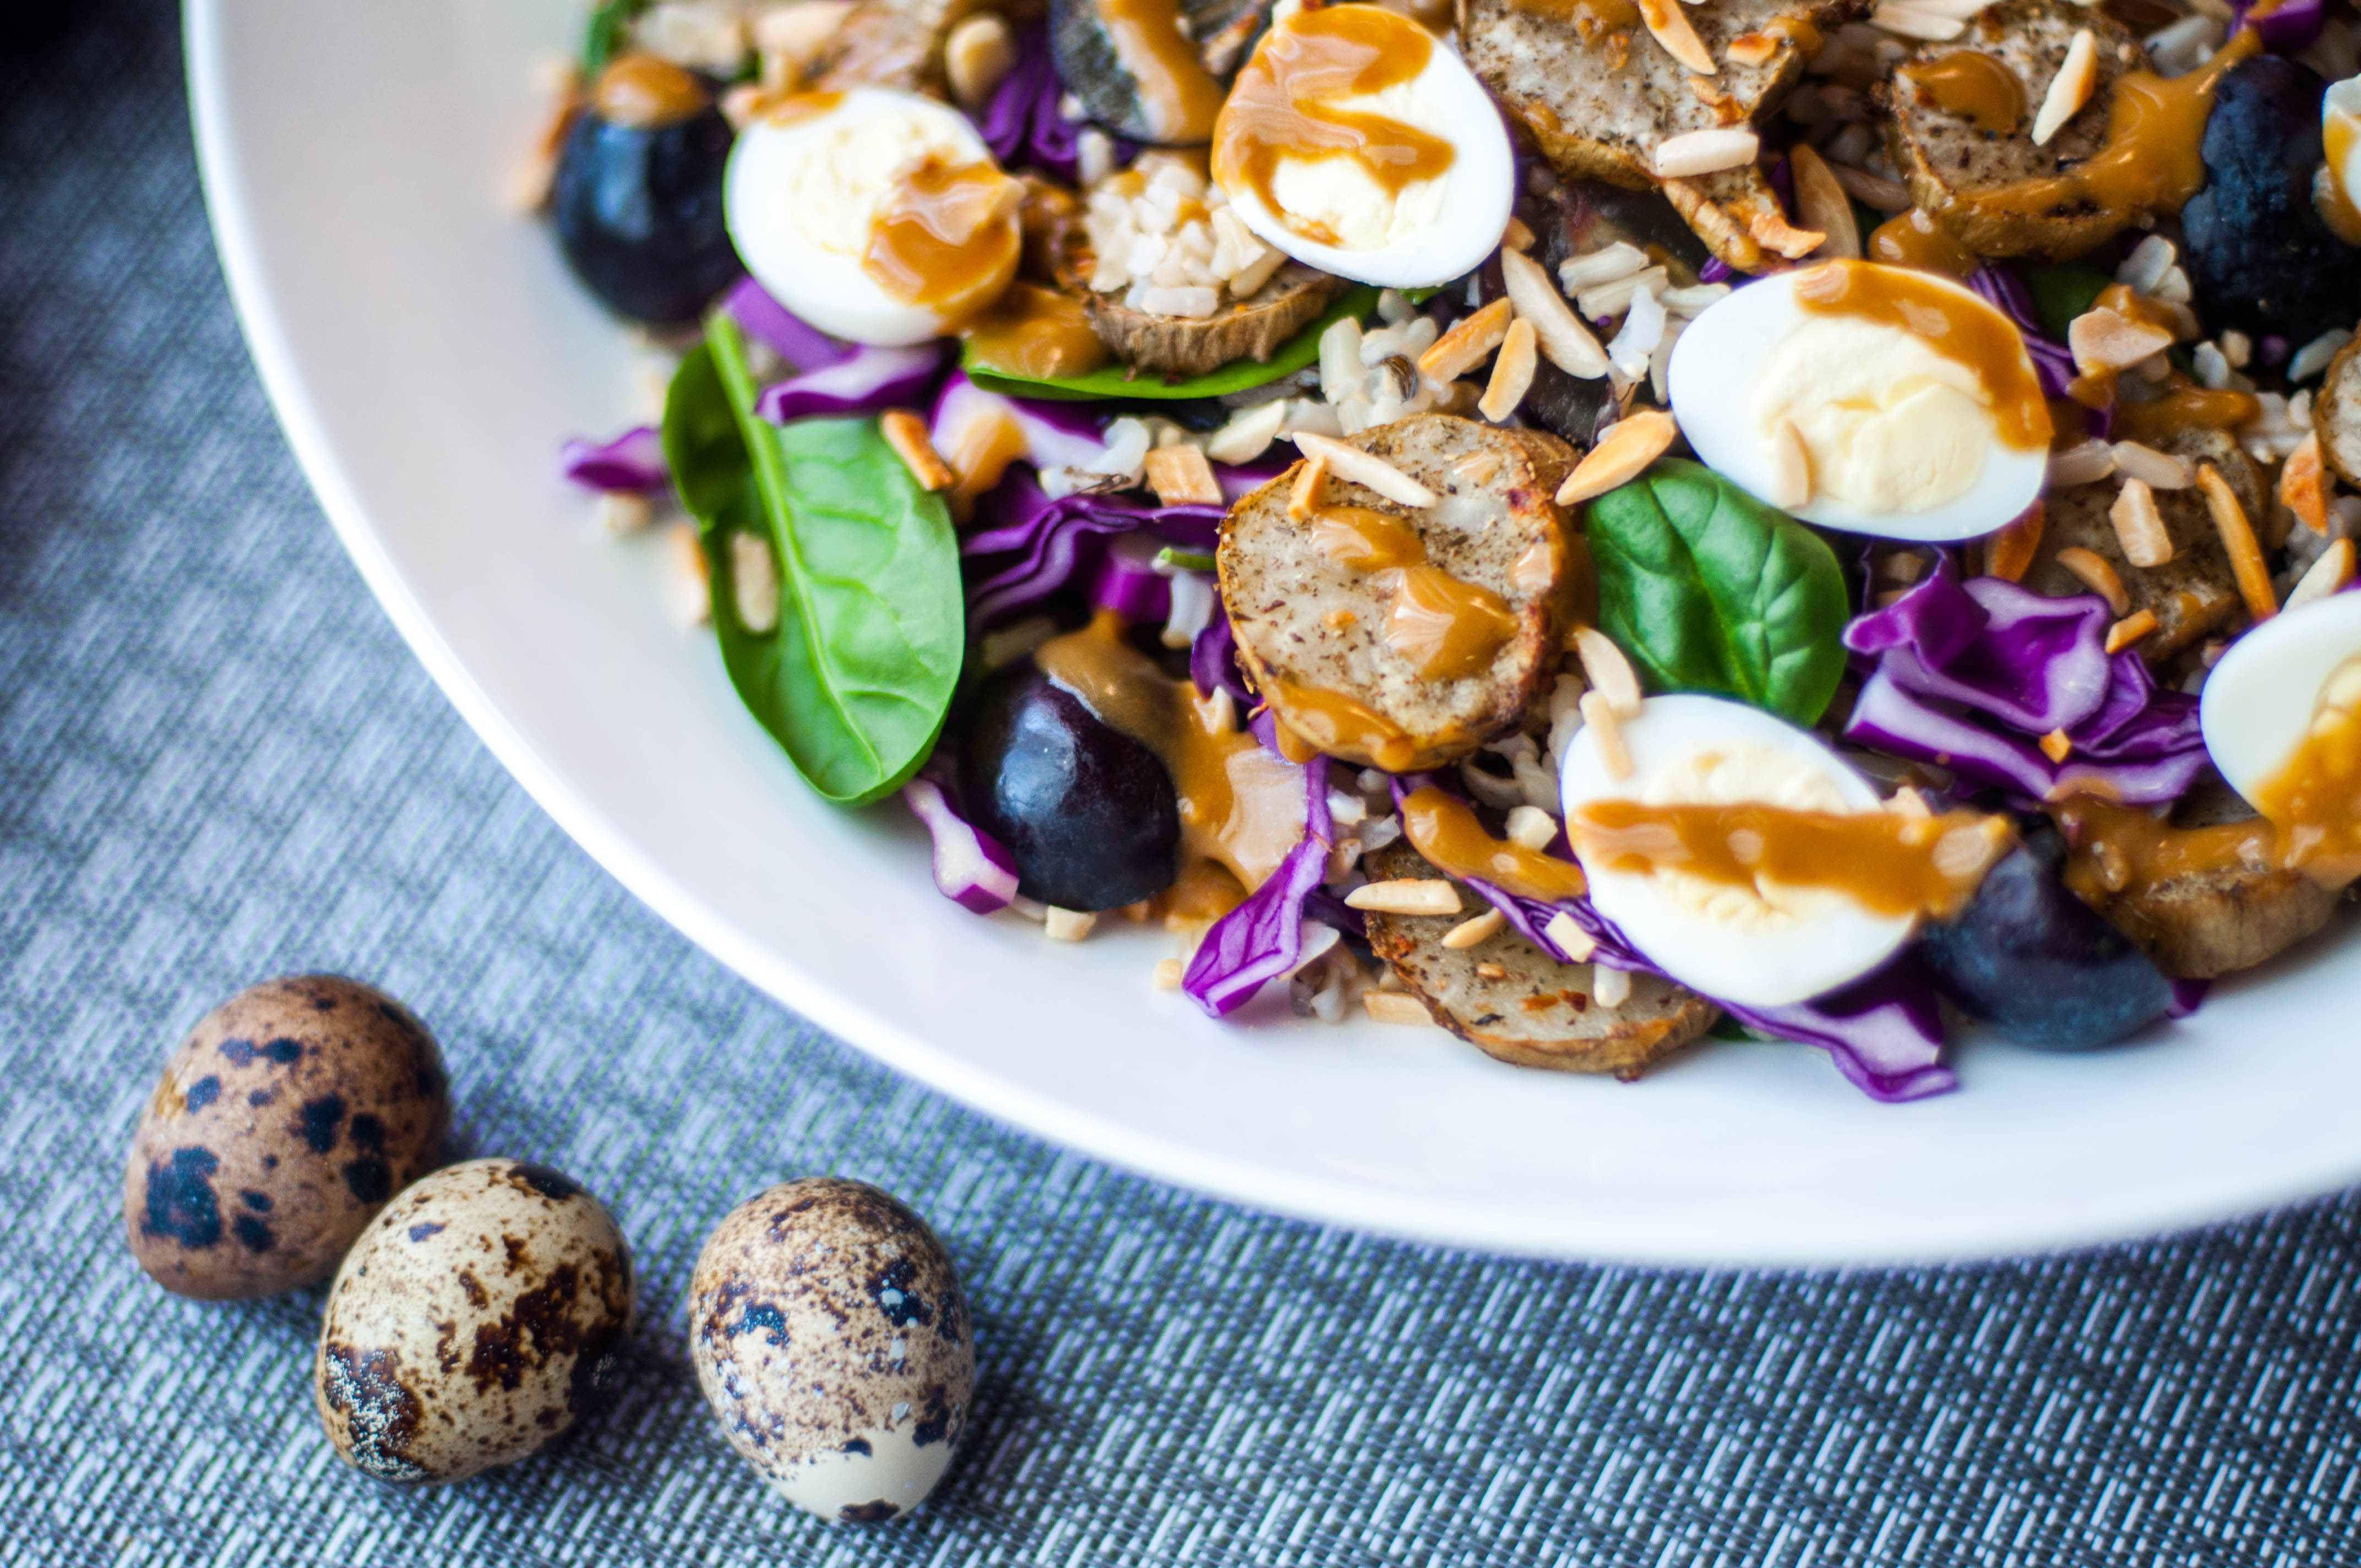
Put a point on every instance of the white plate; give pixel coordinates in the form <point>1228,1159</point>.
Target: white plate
<point>427,351</point>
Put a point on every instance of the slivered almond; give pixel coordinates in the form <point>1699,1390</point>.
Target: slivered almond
<point>1872,190</point>
<point>1310,491</point>
<point>688,590</point>
<point>1181,476</point>
<point>2238,538</point>
<point>1610,987</point>
<point>2093,572</point>
<point>1609,671</point>
<point>1628,447</point>
<point>1406,895</point>
<point>905,433</point>
<point>1516,236</point>
<point>1471,337</point>
<point>2139,527</point>
<point>2329,574</point>
<point>1349,462</point>
<point>2105,339</point>
<point>1168,973</point>
<point>1067,925</point>
<point>1468,933</point>
<point>2084,462</point>
<point>1821,202</point>
<point>1477,467</point>
<point>2160,470</point>
<point>1709,151</point>
<point>1771,231</point>
<point>1598,717</point>
<point>1513,373</point>
<point>2057,746</point>
<point>1669,25</point>
<point>2304,485</point>
<point>1568,344</point>
<point>1753,49</point>
<point>2012,550</point>
<point>1917,22</point>
<point>1395,1007</point>
<point>1572,940</point>
<point>2129,630</point>
<point>1791,469</point>
<point>2069,89</point>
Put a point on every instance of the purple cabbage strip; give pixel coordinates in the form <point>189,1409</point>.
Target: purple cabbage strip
<point>1214,659</point>
<point>870,381</point>
<point>1049,542</point>
<point>1127,582</point>
<point>632,464</point>
<point>798,342</point>
<point>1023,123</point>
<point>1716,271</point>
<point>971,867</point>
<point>1263,938</point>
<point>2188,996</point>
<point>2002,289</point>
<point>2292,26</point>
<point>1057,435</point>
<point>1238,479</point>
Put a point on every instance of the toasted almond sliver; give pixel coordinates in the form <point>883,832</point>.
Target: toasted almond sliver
<point>2304,485</point>
<point>1468,933</point>
<point>1610,987</point>
<point>1607,670</point>
<point>2129,630</point>
<point>2056,746</point>
<point>1471,337</point>
<point>2084,462</point>
<point>1349,462</point>
<point>688,591</point>
<point>1791,469</point>
<point>1568,344</point>
<point>1572,940</point>
<point>905,433</point>
<point>2238,538</point>
<point>2329,574</point>
<point>2012,550</point>
<point>1872,190</point>
<point>1917,22</point>
<point>1067,925</point>
<point>1628,447</point>
<point>1751,49</point>
<point>2105,339</point>
<point>1516,236</point>
<point>2139,527</point>
<point>2094,573</point>
<point>1395,1007</point>
<point>1309,492</point>
<point>2069,89</point>
<point>1771,231</point>
<point>1821,203</point>
<point>1406,895</point>
<point>1598,717</point>
<point>2160,470</point>
<point>1167,975</point>
<point>1513,373</point>
<point>1709,151</point>
<point>1670,27</point>
<point>1181,476</point>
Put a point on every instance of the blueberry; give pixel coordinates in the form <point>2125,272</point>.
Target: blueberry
<point>1088,813</point>
<point>2038,964</point>
<point>2259,256</point>
<point>637,200</point>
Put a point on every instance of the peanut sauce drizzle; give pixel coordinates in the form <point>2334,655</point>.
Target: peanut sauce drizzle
<point>2314,799</point>
<point>1178,94</point>
<point>1444,829</point>
<point>2114,846</point>
<point>1447,629</point>
<point>1887,861</point>
<point>1973,85</point>
<point>945,238</point>
<point>1914,239</point>
<point>646,94</point>
<point>1956,325</point>
<point>1592,18</point>
<point>1339,725</point>
<point>1282,105</point>
<point>1035,333</point>
<point>1240,807</point>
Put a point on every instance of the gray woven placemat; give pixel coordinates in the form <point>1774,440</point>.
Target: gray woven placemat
<point>217,763</point>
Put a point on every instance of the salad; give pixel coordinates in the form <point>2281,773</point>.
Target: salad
<point>1591,523</point>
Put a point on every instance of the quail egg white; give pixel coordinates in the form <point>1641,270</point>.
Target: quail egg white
<point>874,215</point>
<point>1358,145</point>
<point>1766,947</point>
<point>832,1337</point>
<point>2295,674</point>
<point>1873,398</point>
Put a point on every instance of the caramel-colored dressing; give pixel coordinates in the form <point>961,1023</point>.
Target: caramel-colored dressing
<point>1443,827</point>
<point>1447,629</point>
<point>2339,134</point>
<point>1341,725</point>
<point>987,445</point>
<point>1201,895</point>
<point>1365,539</point>
<point>1282,105</point>
<point>1914,239</point>
<point>793,108</point>
<point>2112,846</point>
<point>1958,326</point>
<point>2314,799</point>
<point>1973,85</point>
<point>1180,96</point>
<point>1036,333</point>
<point>1593,19</point>
<point>1240,807</point>
<point>1887,862</point>
<point>945,239</point>
<point>2185,405</point>
<point>646,94</point>
<point>2150,160</point>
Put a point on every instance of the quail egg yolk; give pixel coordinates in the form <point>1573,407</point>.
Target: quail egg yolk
<point>1886,423</point>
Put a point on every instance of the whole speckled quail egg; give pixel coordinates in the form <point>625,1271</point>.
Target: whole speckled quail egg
<point>475,1319</point>
<point>832,1338</point>
<point>285,1120</point>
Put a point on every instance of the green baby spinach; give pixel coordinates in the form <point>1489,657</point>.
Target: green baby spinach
<point>855,678</point>
<point>1708,589</point>
<point>608,27</point>
<point>1237,375</point>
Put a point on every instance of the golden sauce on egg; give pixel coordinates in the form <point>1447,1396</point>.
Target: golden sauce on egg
<point>1973,85</point>
<point>1284,106</point>
<point>2340,137</point>
<point>1956,325</point>
<point>1444,829</point>
<point>1180,96</point>
<point>2314,799</point>
<point>1888,863</point>
<point>945,238</point>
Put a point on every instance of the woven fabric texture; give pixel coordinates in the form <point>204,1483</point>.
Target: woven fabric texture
<point>217,763</point>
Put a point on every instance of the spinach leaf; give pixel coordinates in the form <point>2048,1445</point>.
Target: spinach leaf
<point>1708,589</point>
<point>2063,290</point>
<point>855,679</point>
<point>610,25</point>
<point>1109,380</point>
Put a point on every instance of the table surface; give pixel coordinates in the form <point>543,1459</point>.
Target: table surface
<point>217,763</point>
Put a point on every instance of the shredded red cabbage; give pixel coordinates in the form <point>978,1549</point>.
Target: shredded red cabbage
<point>1127,582</point>
<point>2002,288</point>
<point>972,867</point>
<point>1262,939</point>
<point>1214,659</point>
<point>629,464</point>
<point>1057,435</point>
<point>1049,542</point>
<point>2291,25</point>
<point>1239,480</point>
<point>1023,123</point>
<point>1972,676</point>
<point>871,381</point>
<point>798,342</point>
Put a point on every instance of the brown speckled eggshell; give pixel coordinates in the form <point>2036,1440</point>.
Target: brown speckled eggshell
<point>832,1337</point>
<point>287,1118</point>
<point>476,1319</point>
